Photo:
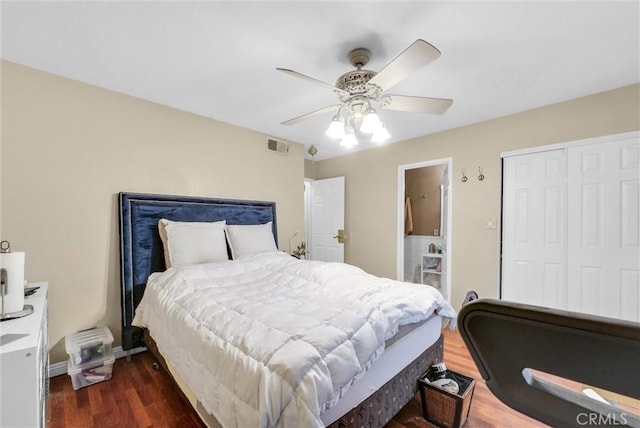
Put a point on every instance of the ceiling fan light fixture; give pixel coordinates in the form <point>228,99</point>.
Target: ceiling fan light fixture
<point>381,135</point>
<point>370,122</point>
<point>360,90</point>
<point>336,128</point>
<point>349,139</point>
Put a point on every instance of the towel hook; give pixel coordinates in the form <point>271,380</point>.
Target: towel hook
<point>464,177</point>
<point>480,175</point>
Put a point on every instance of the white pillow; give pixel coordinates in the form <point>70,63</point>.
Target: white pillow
<point>250,239</point>
<point>189,243</point>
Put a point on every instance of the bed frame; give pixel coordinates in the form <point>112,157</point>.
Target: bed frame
<point>141,251</point>
<point>141,254</point>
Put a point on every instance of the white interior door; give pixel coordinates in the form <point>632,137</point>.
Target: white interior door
<point>326,219</point>
<point>534,229</point>
<point>604,240</point>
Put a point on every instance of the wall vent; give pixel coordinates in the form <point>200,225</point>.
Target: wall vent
<point>277,146</point>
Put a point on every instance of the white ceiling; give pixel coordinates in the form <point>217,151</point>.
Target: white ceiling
<point>218,59</point>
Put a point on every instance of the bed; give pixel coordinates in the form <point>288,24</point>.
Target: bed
<point>187,316</point>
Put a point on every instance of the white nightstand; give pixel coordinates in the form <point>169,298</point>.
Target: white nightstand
<point>24,365</point>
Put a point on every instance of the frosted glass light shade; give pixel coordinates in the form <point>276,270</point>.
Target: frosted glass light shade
<point>381,135</point>
<point>336,128</point>
<point>370,122</point>
<point>349,139</point>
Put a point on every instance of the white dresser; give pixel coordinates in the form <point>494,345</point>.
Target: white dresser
<point>24,365</point>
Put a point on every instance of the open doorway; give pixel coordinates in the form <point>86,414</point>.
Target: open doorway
<point>424,224</point>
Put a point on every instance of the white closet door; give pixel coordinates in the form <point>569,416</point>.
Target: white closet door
<point>534,229</point>
<point>603,233</point>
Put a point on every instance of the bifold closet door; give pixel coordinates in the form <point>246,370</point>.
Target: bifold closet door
<point>571,235</point>
<point>603,233</point>
<point>534,221</point>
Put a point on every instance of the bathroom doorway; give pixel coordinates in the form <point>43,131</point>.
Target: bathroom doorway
<point>424,224</point>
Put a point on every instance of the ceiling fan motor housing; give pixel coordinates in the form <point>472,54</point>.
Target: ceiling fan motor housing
<point>357,83</point>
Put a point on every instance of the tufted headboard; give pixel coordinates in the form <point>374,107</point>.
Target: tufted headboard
<point>141,251</point>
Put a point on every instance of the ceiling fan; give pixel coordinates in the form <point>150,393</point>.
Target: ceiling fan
<point>361,91</point>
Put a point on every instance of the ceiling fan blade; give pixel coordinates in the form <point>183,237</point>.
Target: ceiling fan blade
<point>311,114</point>
<point>415,104</point>
<point>311,79</point>
<point>416,56</point>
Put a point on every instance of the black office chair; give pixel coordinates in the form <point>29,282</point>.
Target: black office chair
<point>514,345</point>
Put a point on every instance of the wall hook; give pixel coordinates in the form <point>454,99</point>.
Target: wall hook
<point>464,177</point>
<point>480,175</point>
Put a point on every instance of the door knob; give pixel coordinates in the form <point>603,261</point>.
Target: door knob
<point>340,236</point>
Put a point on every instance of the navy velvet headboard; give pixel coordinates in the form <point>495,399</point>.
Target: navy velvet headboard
<point>141,251</point>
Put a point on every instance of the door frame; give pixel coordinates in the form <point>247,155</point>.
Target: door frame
<point>307,212</point>
<point>573,143</point>
<point>400,218</point>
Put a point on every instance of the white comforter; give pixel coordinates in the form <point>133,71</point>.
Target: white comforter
<point>270,340</point>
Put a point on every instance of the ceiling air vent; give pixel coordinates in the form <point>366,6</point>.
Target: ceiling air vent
<point>277,146</point>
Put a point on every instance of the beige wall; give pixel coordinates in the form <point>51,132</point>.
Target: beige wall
<point>310,169</point>
<point>69,148</point>
<point>371,216</point>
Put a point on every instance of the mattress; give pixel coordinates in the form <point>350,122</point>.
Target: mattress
<point>397,355</point>
<point>274,341</point>
<point>401,351</point>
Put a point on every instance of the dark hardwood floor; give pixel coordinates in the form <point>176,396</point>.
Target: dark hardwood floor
<point>486,410</point>
<point>139,396</point>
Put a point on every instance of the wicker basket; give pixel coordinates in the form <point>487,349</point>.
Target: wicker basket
<point>443,408</point>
